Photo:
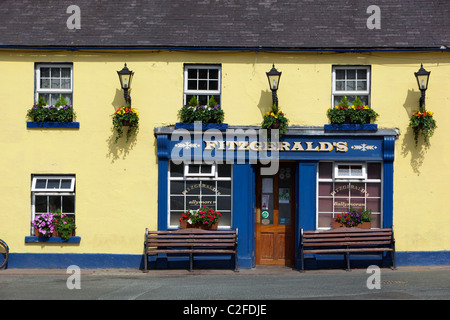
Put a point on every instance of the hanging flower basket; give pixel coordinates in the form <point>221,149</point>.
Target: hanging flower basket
<point>127,117</point>
<point>275,119</point>
<point>423,124</point>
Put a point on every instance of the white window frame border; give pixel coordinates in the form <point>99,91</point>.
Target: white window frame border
<point>62,177</point>
<point>196,178</point>
<point>334,92</point>
<point>336,175</point>
<point>367,180</point>
<point>186,91</point>
<point>211,174</point>
<point>38,88</point>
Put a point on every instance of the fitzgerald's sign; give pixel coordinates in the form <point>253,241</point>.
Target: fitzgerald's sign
<point>321,146</point>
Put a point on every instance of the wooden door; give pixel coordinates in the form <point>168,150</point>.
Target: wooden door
<point>275,214</point>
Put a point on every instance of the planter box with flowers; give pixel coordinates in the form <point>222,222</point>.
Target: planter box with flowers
<point>422,122</point>
<point>61,115</point>
<point>211,115</point>
<point>203,218</point>
<point>275,119</point>
<point>353,218</point>
<point>346,117</point>
<point>60,227</point>
<point>128,117</point>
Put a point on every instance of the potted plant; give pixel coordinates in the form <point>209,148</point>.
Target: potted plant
<point>60,112</point>
<point>202,218</point>
<point>211,113</point>
<point>353,117</point>
<point>125,116</point>
<point>354,218</point>
<point>275,119</point>
<point>44,225</point>
<point>422,122</point>
<point>64,225</point>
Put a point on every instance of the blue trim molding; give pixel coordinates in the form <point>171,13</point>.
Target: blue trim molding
<point>54,125</point>
<point>33,239</point>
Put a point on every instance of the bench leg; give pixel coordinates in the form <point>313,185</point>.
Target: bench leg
<point>303,260</point>
<point>348,261</point>
<point>146,263</point>
<point>191,262</point>
<point>236,268</point>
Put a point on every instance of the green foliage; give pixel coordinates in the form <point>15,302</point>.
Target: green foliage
<point>65,225</point>
<point>128,117</point>
<point>357,113</point>
<point>193,111</point>
<point>422,123</point>
<point>60,112</point>
<point>275,119</point>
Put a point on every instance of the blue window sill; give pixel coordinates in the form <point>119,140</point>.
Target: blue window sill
<point>33,239</point>
<point>70,125</point>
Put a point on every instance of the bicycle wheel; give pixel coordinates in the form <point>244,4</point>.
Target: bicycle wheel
<point>4,253</point>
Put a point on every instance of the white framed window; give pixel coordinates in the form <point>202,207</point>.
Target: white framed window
<point>349,170</point>
<point>202,81</point>
<point>191,192</point>
<point>52,193</point>
<point>200,170</point>
<point>335,194</point>
<point>352,82</point>
<point>53,80</point>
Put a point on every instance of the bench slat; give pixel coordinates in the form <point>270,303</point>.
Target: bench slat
<point>191,241</point>
<point>346,240</point>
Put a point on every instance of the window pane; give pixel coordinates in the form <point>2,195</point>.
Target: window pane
<point>203,73</point>
<point>205,168</point>
<point>55,84</point>
<point>56,72</point>
<point>40,183</point>
<point>213,85</point>
<point>192,85</point>
<point>192,73</point>
<point>223,203</point>
<point>40,204</point>
<point>177,203</point>
<point>65,73</point>
<point>53,183</point>
<point>45,72</point>
<point>225,219</point>
<point>208,201</point>
<point>361,85</point>
<point>194,168</point>
<point>351,85</point>
<point>357,190</point>
<point>361,74</point>
<point>325,220</point>
<point>66,184</point>
<point>374,189</point>
<point>374,170</point>
<point>203,99</point>
<point>224,187</point>
<point>68,205</point>
<point>209,187</point>
<point>340,74</point>
<point>351,74</point>
<point>176,187</point>
<point>202,85</point>
<point>340,85</point>
<point>224,170</point>
<point>45,83</point>
<point>65,83</point>
<point>213,74</point>
<point>176,170</point>
<point>192,202</point>
<point>54,203</point>
<point>356,170</point>
<point>325,204</point>
<point>325,170</point>
<point>325,188</point>
<point>192,187</point>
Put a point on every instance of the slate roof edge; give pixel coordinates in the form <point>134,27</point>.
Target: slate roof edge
<point>442,48</point>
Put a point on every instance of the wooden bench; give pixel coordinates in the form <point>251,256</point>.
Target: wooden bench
<point>191,241</point>
<point>346,240</point>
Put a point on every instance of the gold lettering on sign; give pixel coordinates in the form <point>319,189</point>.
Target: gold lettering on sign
<point>309,146</point>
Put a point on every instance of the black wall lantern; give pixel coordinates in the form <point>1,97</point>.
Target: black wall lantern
<point>422,77</point>
<point>125,76</point>
<point>274,80</point>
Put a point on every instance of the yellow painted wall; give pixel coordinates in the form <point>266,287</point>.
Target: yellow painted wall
<point>116,184</point>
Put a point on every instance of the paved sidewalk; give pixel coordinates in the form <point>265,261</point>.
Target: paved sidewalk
<point>260,283</point>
